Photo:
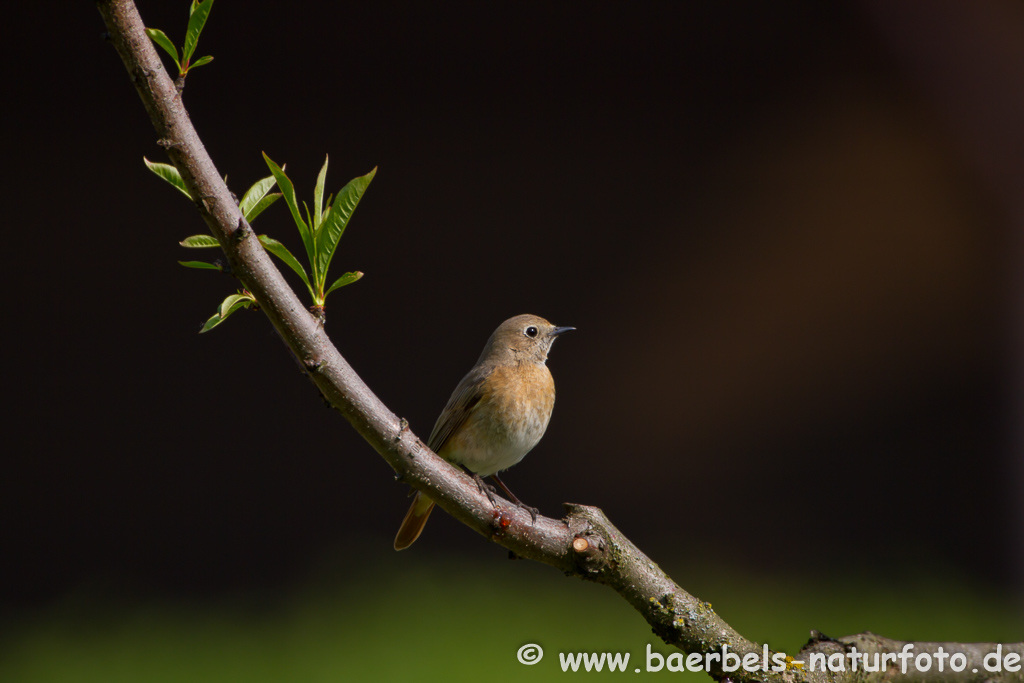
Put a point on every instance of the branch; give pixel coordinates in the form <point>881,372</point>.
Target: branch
<point>584,543</point>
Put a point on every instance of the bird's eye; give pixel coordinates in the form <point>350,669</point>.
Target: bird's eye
<point>531,331</point>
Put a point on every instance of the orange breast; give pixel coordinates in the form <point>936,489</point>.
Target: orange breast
<point>509,420</point>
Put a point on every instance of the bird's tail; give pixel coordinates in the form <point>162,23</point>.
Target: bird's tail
<point>414,521</point>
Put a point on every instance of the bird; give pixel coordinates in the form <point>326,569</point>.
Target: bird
<point>497,413</point>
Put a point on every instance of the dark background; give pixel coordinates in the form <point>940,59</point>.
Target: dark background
<point>788,235</point>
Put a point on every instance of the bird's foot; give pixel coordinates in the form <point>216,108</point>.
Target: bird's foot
<point>486,489</point>
<point>532,510</point>
<point>511,496</point>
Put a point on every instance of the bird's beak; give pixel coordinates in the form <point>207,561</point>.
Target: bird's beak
<point>559,330</point>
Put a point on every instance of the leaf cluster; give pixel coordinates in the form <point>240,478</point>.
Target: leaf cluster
<point>197,15</point>
<point>320,230</point>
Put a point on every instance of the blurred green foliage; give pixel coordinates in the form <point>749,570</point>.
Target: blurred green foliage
<point>436,619</point>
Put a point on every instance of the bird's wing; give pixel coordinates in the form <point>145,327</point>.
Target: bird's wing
<point>465,397</point>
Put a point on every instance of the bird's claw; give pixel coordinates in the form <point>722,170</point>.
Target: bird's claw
<point>486,489</point>
<point>532,510</point>
<point>490,492</point>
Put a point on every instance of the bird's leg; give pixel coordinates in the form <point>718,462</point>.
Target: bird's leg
<point>511,496</point>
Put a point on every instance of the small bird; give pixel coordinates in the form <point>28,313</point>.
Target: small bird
<point>497,413</point>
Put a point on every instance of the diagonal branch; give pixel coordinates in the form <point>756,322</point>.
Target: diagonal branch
<point>584,543</point>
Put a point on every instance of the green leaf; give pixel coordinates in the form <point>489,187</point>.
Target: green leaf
<point>323,216</point>
<point>202,265</point>
<point>288,190</point>
<point>246,301</point>
<point>254,194</point>
<point>201,61</point>
<point>161,39</point>
<point>310,222</point>
<point>261,206</point>
<point>196,21</point>
<point>338,218</point>
<point>168,173</point>
<point>318,195</point>
<point>225,306</point>
<point>346,279</point>
<point>200,242</point>
<point>281,252</point>
<point>214,320</point>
